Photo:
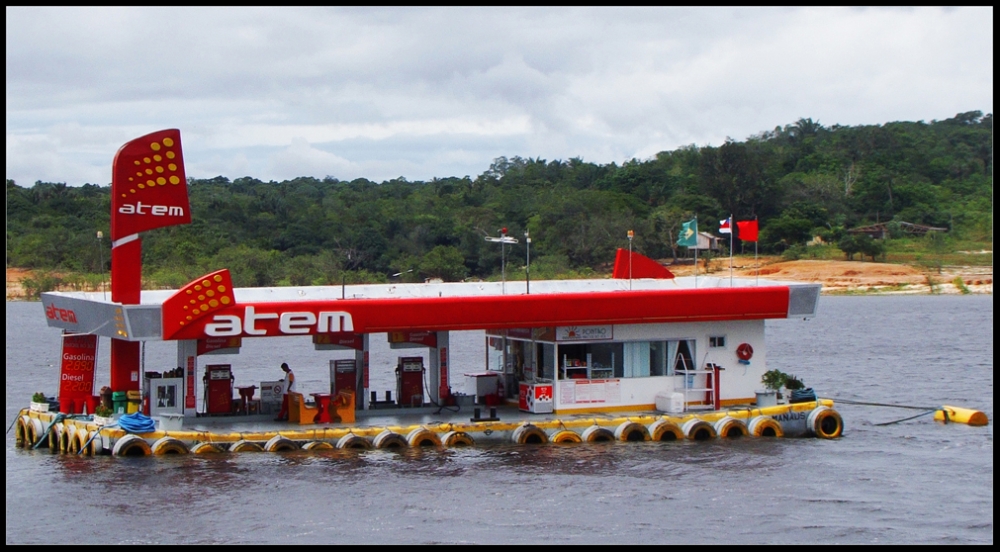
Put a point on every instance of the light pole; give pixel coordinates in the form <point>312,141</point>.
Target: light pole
<point>100,253</point>
<point>527,263</point>
<point>503,239</point>
<point>631,235</point>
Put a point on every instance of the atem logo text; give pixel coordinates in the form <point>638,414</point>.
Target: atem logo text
<point>64,315</point>
<point>156,210</point>
<point>289,323</point>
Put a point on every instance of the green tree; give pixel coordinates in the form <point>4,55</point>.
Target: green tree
<point>445,262</point>
<point>849,245</point>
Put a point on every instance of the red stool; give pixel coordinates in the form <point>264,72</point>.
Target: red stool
<point>246,395</point>
<point>323,407</point>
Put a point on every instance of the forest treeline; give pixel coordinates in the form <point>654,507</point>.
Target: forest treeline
<point>799,181</point>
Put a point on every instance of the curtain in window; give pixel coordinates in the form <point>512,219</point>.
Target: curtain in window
<point>636,359</point>
<point>671,356</point>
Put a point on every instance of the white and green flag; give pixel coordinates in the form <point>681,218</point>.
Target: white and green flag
<point>689,234</point>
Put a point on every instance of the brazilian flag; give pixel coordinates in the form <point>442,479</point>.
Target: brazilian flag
<point>689,234</point>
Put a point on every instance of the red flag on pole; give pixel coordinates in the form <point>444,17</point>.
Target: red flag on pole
<point>748,230</point>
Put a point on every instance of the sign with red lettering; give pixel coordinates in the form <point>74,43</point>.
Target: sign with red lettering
<point>348,340</point>
<point>76,382</point>
<point>189,397</point>
<point>211,344</point>
<point>427,339</point>
<point>366,369</point>
<point>443,387</point>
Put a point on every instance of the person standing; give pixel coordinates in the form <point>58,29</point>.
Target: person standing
<point>288,385</point>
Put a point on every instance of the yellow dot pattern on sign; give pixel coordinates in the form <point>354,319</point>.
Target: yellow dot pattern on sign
<point>201,297</point>
<point>165,150</point>
<point>119,319</point>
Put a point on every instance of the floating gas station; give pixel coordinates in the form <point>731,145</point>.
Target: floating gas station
<point>639,356</point>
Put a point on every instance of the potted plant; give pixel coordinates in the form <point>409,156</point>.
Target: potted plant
<point>793,383</point>
<point>798,392</point>
<point>103,415</point>
<point>773,381</point>
<point>39,403</point>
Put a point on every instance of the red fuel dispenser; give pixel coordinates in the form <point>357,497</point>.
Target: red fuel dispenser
<point>410,381</point>
<point>343,376</point>
<point>218,389</point>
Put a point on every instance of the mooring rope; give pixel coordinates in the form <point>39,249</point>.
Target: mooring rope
<point>845,401</point>
<point>45,434</point>
<point>907,419</point>
<point>927,410</point>
<point>16,418</point>
<point>95,436</point>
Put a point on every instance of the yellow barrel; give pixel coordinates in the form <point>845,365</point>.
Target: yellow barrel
<point>280,444</point>
<point>565,436</point>
<point>457,439</point>
<point>961,415</point>
<point>387,439</point>
<point>528,434</point>
<point>131,445</point>
<point>422,437</point>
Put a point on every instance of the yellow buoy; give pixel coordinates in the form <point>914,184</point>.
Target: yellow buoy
<point>961,415</point>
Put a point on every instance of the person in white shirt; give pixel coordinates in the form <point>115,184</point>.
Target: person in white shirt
<point>288,385</point>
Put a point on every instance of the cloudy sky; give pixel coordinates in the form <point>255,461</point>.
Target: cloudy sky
<point>276,93</point>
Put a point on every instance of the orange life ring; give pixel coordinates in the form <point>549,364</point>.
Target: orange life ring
<point>744,351</point>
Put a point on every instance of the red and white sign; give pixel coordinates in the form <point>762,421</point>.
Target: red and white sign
<point>211,344</point>
<point>427,339</point>
<point>535,397</point>
<point>347,340</point>
<point>53,312</point>
<point>189,396</point>
<point>423,316</point>
<point>443,387</point>
<point>585,391</point>
<point>76,381</point>
<point>148,185</point>
<point>584,333</point>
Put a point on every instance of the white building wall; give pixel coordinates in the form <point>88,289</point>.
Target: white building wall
<point>738,381</point>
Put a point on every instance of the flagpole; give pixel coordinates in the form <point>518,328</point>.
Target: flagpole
<point>755,263</point>
<point>730,250</point>
<point>696,251</point>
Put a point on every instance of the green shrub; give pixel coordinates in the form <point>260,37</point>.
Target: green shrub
<point>960,284</point>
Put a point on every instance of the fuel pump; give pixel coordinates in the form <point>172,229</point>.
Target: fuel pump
<point>410,381</point>
<point>343,376</point>
<point>218,389</point>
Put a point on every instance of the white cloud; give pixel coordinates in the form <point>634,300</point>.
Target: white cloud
<point>300,158</point>
<point>425,92</point>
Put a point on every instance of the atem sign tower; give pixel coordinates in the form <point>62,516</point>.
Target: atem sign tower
<point>148,191</point>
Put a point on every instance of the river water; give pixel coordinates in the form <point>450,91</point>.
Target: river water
<point>916,481</point>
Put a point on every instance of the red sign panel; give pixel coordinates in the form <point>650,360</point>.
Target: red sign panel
<point>343,339</point>
<point>365,362</point>
<point>76,382</point>
<point>148,186</point>
<point>196,301</point>
<point>210,344</point>
<point>443,387</point>
<point>428,339</point>
<point>207,308</point>
<point>189,397</point>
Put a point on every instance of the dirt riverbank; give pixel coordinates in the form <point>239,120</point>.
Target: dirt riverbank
<point>837,277</point>
<point>856,277</point>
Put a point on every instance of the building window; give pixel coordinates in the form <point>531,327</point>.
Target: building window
<point>717,341</point>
